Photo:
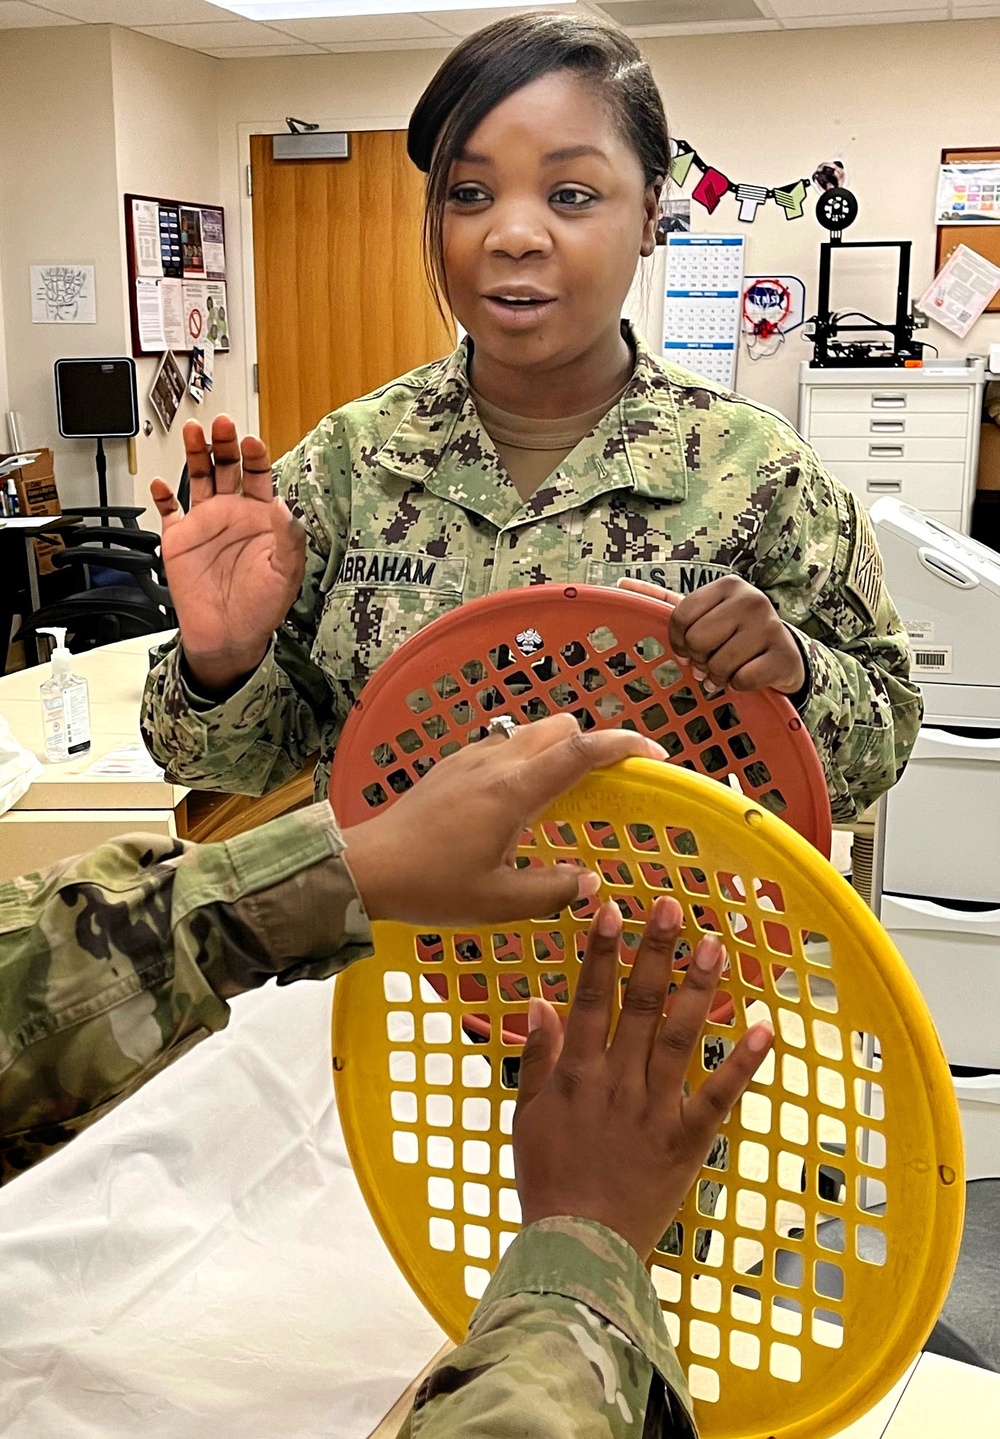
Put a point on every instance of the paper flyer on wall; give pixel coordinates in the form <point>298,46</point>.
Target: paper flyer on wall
<point>160,313</point>
<point>205,313</point>
<point>969,194</point>
<point>146,234</point>
<point>192,247</point>
<point>213,244</point>
<point>960,291</point>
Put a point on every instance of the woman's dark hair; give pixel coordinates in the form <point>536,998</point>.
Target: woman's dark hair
<point>501,59</point>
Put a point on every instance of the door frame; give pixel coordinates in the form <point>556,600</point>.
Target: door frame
<point>277,127</point>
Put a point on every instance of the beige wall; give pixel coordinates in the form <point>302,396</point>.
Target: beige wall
<point>166,134</point>
<point>122,111</point>
<point>58,202</point>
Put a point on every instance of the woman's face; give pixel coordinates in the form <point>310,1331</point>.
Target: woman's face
<point>547,214</point>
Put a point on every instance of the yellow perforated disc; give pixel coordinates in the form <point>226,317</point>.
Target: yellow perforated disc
<point>812,1257</point>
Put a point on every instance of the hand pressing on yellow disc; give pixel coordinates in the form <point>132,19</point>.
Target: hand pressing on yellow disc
<point>444,853</point>
<point>605,1131</point>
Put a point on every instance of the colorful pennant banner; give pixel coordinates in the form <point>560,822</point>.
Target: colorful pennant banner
<point>713,185</point>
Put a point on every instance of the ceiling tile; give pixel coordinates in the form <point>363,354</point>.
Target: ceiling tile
<point>878,17</point>
<point>222,35</point>
<point>138,12</point>
<point>349,47</point>
<point>260,52</point>
<point>846,10</point>
<point>633,13</point>
<point>466,22</point>
<point>349,28</point>
<point>14,15</point>
<point>707,27</point>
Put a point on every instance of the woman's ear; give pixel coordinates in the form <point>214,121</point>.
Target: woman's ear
<point>651,208</point>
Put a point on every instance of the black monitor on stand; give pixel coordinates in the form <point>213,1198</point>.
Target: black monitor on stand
<point>97,400</point>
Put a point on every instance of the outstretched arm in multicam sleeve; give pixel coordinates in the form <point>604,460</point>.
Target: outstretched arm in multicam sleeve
<point>231,704</point>
<point>113,964</point>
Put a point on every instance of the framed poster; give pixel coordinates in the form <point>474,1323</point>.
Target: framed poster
<point>176,253</point>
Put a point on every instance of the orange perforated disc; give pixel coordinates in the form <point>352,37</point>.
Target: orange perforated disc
<point>602,654</point>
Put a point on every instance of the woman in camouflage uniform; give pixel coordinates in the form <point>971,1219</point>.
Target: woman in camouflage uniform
<point>551,446</point>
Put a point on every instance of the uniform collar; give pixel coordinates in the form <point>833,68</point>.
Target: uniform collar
<point>640,444</point>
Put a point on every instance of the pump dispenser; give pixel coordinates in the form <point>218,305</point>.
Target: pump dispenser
<point>65,705</point>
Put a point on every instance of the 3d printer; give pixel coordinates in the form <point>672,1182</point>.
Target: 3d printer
<point>835,210</point>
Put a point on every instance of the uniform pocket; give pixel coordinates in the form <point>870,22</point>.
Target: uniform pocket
<point>379,599</point>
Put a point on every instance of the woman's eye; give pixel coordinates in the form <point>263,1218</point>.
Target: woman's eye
<point>573,198</point>
<point>468,195</point>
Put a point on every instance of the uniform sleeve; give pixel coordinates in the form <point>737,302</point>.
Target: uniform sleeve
<point>823,572</point>
<point>261,736</point>
<point>113,964</point>
<point>568,1340</point>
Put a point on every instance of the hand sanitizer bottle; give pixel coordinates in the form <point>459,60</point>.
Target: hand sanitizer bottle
<point>65,705</point>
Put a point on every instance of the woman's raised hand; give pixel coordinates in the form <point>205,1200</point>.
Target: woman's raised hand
<point>235,561</point>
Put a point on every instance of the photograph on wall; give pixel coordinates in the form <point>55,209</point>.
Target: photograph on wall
<point>200,376</point>
<point>167,390</point>
<point>192,247</point>
<point>63,295</point>
<point>674,218</point>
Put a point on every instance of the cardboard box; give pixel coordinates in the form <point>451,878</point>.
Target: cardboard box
<point>37,495</point>
<point>989,457</point>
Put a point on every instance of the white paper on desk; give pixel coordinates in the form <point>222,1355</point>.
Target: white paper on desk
<point>201,1261</point>
<point>131,760</point>
<point>960,291</point>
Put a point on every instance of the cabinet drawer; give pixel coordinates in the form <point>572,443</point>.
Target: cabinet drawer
<point>889,426</point>
<point>979,1105</point>
<point>889,399</point>
<point>880,449</point>
<point>934,488</point>
<point>954,956</point>
<point>942,820</point>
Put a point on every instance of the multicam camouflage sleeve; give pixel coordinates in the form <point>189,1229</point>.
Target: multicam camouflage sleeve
<point>113,964</point>
<point>821,568</point>
<point>568,1340</point>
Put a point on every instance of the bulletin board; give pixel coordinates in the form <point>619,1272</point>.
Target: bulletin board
<point>984,239</point>
<point>176,255</point>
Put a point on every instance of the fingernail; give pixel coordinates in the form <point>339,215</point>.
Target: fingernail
<point>536,1009</point>
<point>710,953</point>
<point>654,750</point>
<point>587,884</point>
<point>759,1037</point>
<point>609,920</point>
<point>698,674</point>
<point>661,915</point>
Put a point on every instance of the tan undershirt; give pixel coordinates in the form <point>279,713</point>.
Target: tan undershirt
<point>531,450</point>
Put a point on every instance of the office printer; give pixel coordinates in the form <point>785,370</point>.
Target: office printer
<point>946,588</point>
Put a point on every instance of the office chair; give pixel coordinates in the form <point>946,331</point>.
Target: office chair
<point>123,592</point>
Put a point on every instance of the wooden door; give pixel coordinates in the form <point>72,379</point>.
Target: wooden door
<point>342,301</point>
